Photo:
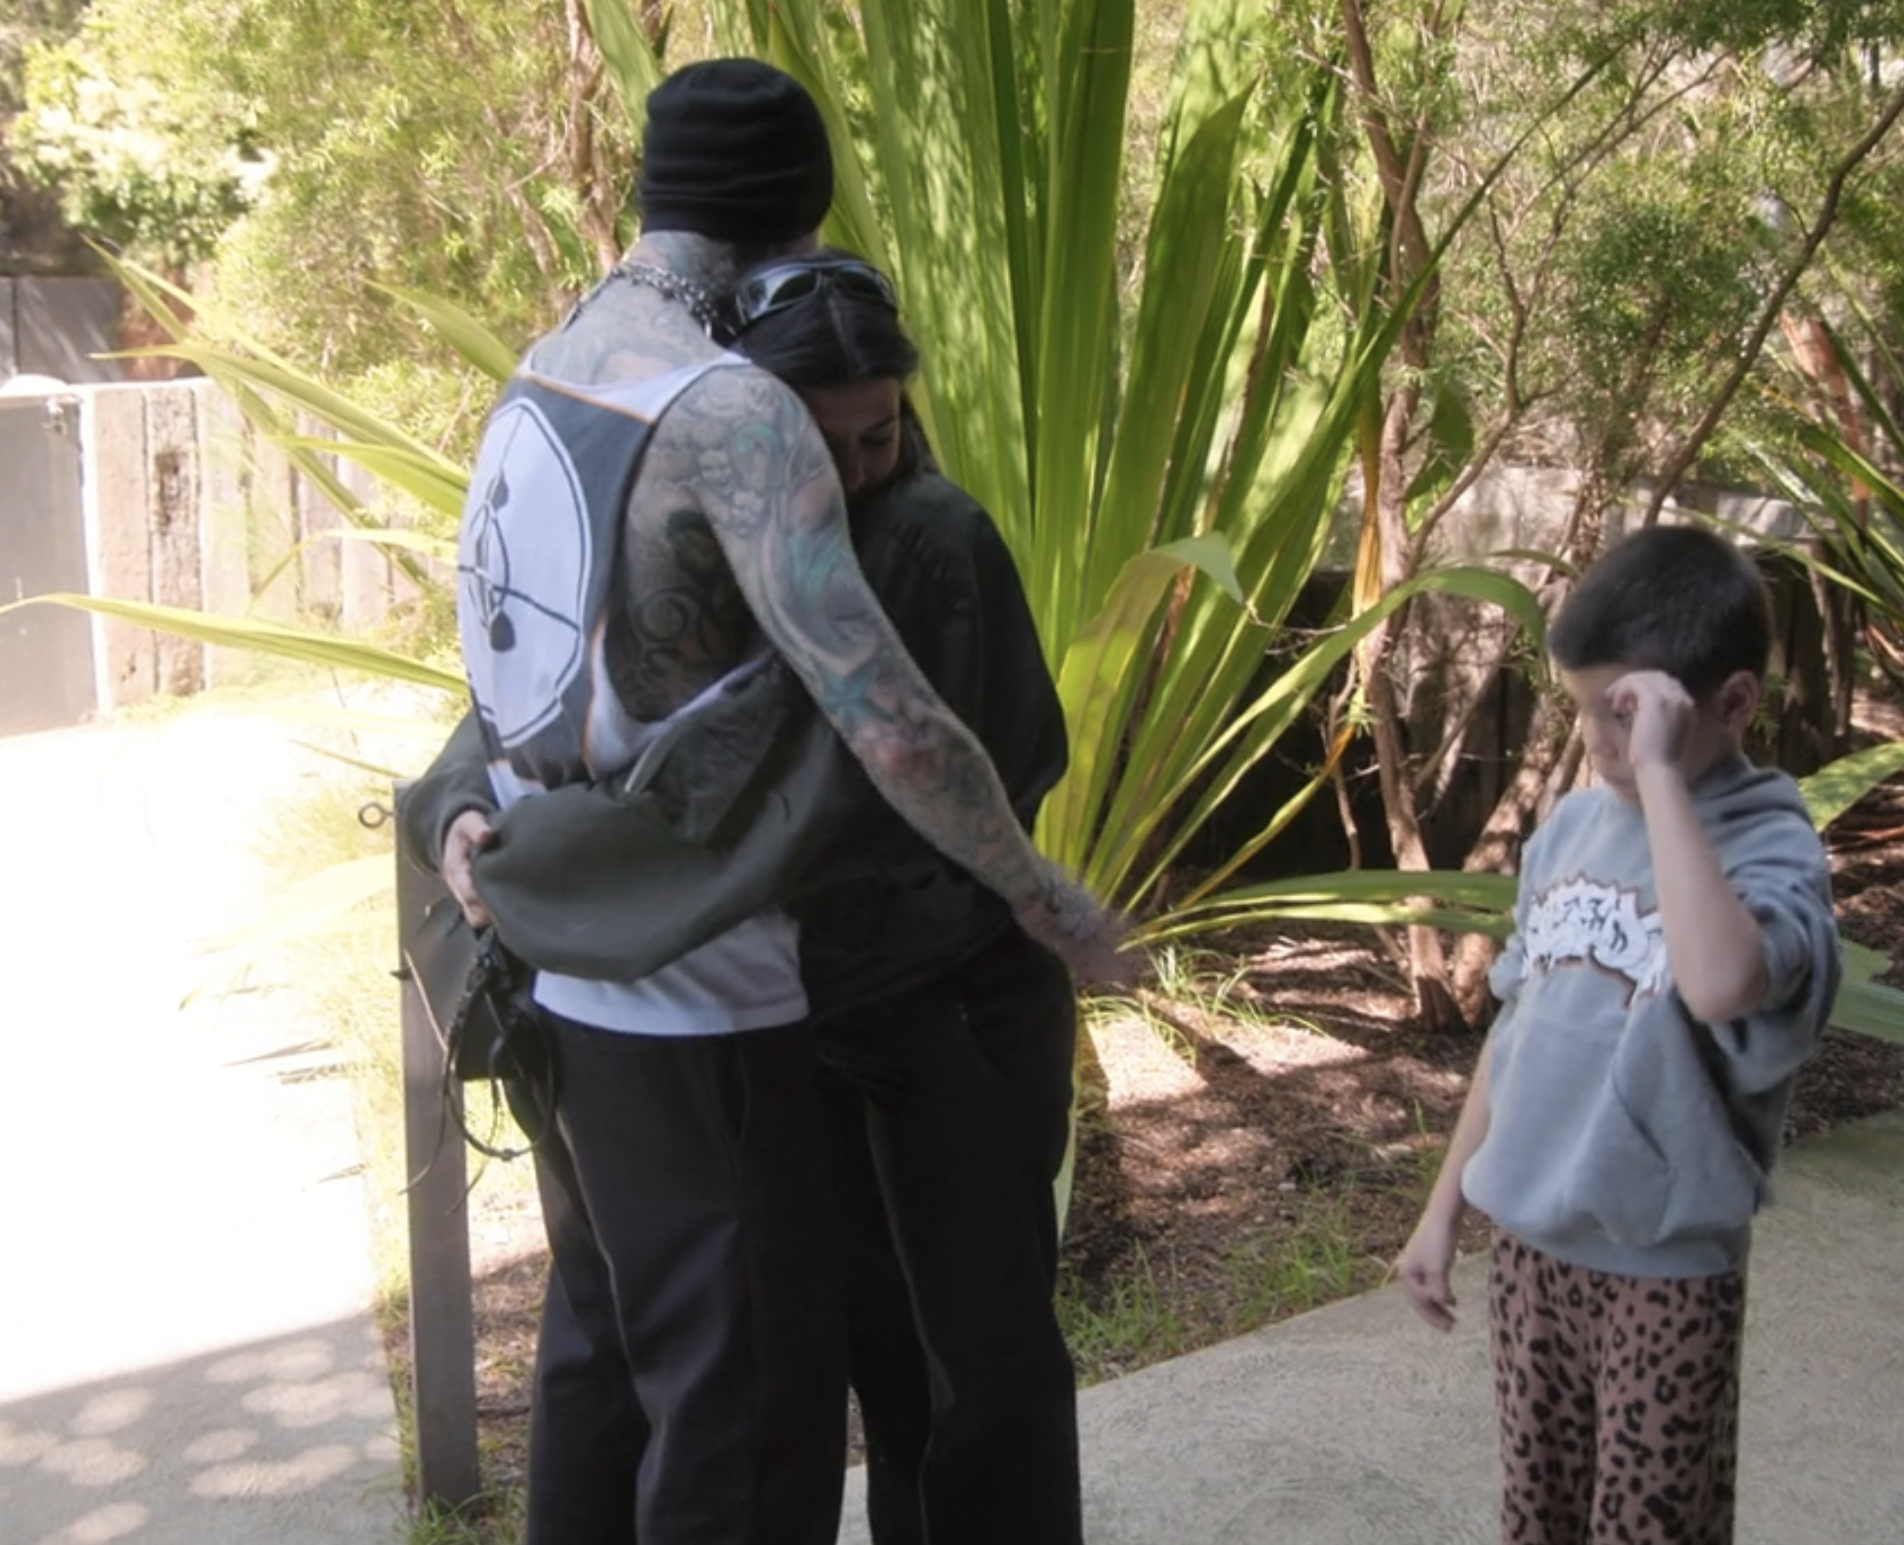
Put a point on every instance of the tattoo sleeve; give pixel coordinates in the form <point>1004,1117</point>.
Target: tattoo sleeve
<point>765,482</point>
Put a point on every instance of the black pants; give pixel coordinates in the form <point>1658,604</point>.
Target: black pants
<point>952,1111</point>
<point>690,1372</point>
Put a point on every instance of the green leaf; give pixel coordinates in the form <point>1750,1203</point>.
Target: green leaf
<point>632,65</point>
<point>437,548</point>
<point>946,139</point>
<point>1189,239</point>
<point>1839,785</point>
<point>1870,1009</point>
<point>260,637</point>
<point>1097,676</point>
<point>1089,80</point>
<point>1212,763</point>
<point>1450,446</point>
<point>1482,895</point>
<point>429,480</point>
<point>461,331</point>
<point>304,391</point>
<point>1863,1004</point>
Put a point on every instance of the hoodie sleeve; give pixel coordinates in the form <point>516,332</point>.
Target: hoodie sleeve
<point>1781,873</point>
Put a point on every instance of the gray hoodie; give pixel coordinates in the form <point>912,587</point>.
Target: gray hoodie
<point>1623,1134</point>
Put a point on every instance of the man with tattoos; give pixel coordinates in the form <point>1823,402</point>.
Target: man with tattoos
<point>651,524</point>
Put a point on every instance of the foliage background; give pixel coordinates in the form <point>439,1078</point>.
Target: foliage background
<point>1183,273</point>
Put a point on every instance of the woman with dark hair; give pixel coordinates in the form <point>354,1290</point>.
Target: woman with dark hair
<point>828,325</point>
<point>952,1033</point>
<point>948,1033</point>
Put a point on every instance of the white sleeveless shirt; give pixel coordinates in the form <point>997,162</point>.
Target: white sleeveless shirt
<point>535,566</point>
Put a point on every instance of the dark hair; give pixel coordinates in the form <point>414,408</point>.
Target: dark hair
<point>830,336</point>
<point>834,337</point>
<point>1678,599</point>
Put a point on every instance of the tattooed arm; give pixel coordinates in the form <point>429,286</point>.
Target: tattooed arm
<point>740,449</point>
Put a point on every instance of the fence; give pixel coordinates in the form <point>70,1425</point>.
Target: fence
<point>159,492</point>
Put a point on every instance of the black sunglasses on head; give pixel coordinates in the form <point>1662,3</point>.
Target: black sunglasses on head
<point>781,285</point>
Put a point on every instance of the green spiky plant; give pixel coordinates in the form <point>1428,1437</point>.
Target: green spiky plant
<point>1842,474</point>
<point>1164,450</point>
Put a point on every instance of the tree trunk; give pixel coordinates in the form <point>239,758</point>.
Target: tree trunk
<point>1550,759</point>
<point>1435,1006</point>
<point>1388,557</point>
<point>1548,765</point>
<point>1386,562</point>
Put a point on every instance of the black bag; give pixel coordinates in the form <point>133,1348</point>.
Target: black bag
<point>475,994</point>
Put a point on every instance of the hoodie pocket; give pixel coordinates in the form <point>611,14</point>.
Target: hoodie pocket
<point>1683,1174</point>
<point>1620,1178</point>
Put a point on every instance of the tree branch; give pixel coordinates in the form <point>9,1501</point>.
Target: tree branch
<point>1676,465</point>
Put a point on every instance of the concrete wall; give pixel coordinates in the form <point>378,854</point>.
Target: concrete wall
<point>46,662</point>
<point>182,504</point>
<point>56,327</point>
<point>1525,509</point>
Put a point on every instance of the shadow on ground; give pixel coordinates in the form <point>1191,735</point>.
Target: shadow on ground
<point>286,1440</point>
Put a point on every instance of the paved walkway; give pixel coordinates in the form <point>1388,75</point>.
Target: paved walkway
<point>187,1355</point>
<point>1357,1425</point>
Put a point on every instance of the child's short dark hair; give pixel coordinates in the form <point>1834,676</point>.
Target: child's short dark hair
<point>1678,599</point>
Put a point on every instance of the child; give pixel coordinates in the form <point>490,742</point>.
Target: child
<point>1673,961</point>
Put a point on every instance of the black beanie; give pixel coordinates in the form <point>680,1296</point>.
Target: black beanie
<point>734,150</point>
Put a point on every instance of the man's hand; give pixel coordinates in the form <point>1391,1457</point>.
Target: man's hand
<point>468,834</point>
<point>1424,1267</point>
<point>1088,937</point>
<point>1659,713</point>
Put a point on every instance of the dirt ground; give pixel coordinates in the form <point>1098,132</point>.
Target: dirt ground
<point>1249,1166</point>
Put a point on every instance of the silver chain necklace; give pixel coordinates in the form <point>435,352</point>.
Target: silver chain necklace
<point>672,286</point>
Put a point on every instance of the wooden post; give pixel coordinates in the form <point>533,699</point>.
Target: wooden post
<point>442,1319</point>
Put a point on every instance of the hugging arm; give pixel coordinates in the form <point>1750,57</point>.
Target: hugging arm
<point>741,447</point>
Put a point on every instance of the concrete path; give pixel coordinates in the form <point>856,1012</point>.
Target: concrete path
<point>186,1351</point>
<point>187,1355</point>
<point>1357,1425</point>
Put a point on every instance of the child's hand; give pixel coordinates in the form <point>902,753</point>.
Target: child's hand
<point>1658,712</point>
<point>1424,1267</point>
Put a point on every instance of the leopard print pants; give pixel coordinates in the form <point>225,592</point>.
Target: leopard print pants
<point>1618,1399</point>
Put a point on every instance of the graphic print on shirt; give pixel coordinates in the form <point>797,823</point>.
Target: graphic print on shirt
<point>524,565</point>
<point>1589,922</point>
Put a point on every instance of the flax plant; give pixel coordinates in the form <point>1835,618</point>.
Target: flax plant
<point>1163,449</point>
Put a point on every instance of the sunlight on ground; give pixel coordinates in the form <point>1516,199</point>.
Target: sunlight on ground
<point>1146,1060</point>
